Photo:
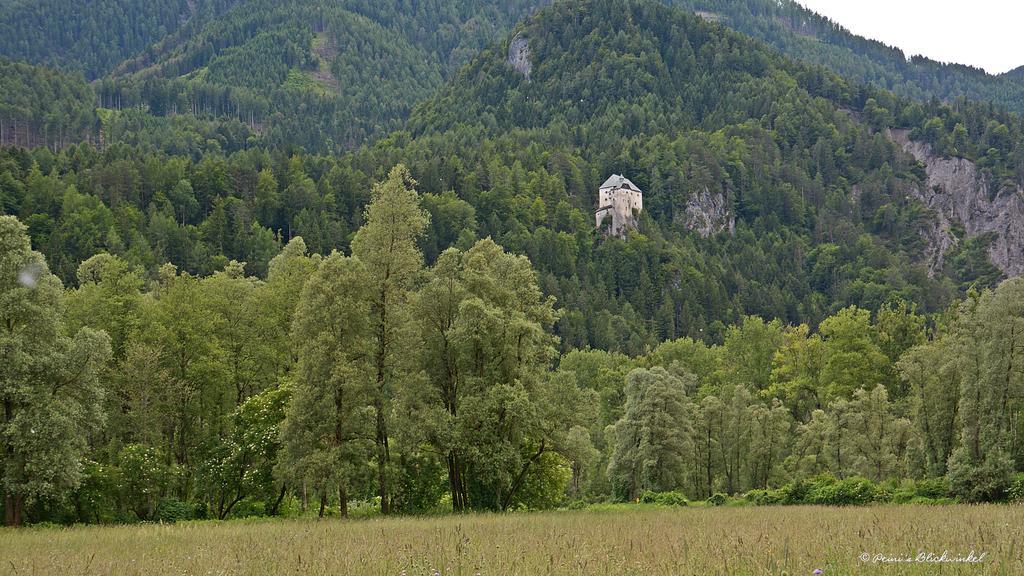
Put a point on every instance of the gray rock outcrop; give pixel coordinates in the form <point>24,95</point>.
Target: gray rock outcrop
<point>519,56</point>
<point>958,191</point>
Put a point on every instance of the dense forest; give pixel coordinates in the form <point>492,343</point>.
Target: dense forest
<point>802,34</point>
<point>372,377</point>
<point>224,75</point>
<point>207,314</point>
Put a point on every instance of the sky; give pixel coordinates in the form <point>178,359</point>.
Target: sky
<point>983,33</point>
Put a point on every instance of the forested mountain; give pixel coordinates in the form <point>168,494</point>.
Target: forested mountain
<point>322,75</point>
<point>318,74</point>
<point>93,37</point>
<point>805,35</point>
<point>329,76</point>
<point>808,201</point>
<point>43,107</point>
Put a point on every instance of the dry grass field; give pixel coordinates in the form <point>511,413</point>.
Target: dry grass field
<point>698,541</point>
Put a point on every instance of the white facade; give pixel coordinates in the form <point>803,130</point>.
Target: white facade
<point>621,201</point>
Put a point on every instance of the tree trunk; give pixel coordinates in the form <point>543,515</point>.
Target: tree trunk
<point>343,501</point>
<point>382,457</point>
<point>280,498</point>
<point>323,504</point>
<point>522,475</point>
<point>13,508</point>
<point>456,483</point>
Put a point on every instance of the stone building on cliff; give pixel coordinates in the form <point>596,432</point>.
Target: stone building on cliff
<point>619,203</point>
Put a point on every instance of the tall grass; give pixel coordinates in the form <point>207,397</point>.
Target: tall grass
<point>681,541</point>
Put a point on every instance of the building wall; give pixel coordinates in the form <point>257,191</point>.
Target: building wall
<point>622,204</point>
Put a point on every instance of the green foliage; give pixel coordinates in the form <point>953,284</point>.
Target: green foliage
<point>664,498</point>
<point>650,440</point>
<point>49,382</point>
<point>799,351</point>
<point>845,492</point>
<point>172,510</point>
<point>89,36</point>
<point>802,34</point>
<point>1016,491</point>
<point>717,499</point>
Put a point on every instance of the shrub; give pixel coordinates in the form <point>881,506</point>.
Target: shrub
<point>173,510</point>
<point>664,498</point>
<point>1016,491</point>
<point>578,504</point>
<point>717,499</point>
<point>764,497</point>
<point>846,492</point>
<point>648,497</point>
<point>797,492</point>
<point>672,499</point>
<point>984,481</point>
<point>926,491</point>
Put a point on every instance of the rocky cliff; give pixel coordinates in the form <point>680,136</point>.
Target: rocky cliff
<point>957,191</point>
<point>708,213</point>
<point>519,56</point>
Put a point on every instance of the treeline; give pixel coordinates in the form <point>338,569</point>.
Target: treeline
<point>41,107</point>
<point>373,377</point>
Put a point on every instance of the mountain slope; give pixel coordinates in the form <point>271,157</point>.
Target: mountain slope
<point>810,37</point>
<point>92,37</point>
<point>328,76</point>
<point>318,74</point>
<point>770,187</point>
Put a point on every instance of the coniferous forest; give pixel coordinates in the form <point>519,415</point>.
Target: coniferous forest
<point>272,258</point>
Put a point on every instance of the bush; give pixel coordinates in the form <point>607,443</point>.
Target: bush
<point>717,499</point>
<point>797,492</point>
<point>1016,491</point>
<point>846,492</point>
<point>578,504</point>
<point>173,510</point>
<point>764,497</point>
<point>672,499</point>
<point>926,491</point>
<point>985,481</point>
<point>664,498</point>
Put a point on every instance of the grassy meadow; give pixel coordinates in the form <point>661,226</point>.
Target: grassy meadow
<point>617,540</point>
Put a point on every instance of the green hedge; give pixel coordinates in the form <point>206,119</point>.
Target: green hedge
<point>855,491</point>
<point>664,498</point>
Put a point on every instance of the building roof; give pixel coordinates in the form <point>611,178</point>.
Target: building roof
<point>618,181</point>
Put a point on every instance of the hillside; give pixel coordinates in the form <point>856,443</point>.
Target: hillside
<point>771,187</point>
<point>93,37</point>
<point>321,75</point>
<point>805,35</point>
<point>329,76</point>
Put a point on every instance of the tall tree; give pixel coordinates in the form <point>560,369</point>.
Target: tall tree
<point>990,329</point>
<point>488,407</point>
<point>49,391</point>
<point>387,246</point>
<point>652,438</point>
<point>328,430</point>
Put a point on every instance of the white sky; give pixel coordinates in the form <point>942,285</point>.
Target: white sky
<point>988,34</point>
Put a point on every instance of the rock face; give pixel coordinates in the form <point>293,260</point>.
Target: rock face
<point>708,214</point>
<point>957,191</point>
<point>519,56</point>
